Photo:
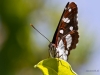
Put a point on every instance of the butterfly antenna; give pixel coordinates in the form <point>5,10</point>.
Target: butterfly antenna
<point>39,32</point>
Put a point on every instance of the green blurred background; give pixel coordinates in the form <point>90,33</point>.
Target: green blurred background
<point>21,47</point>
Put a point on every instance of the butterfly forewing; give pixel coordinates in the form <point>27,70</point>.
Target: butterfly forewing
<point>66,35</point>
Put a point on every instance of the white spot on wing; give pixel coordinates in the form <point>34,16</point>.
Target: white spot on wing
<point>77,15</point>
<point>61,31</point>
<point>68,40</point>
<point>69,9</point>
<point>77,19</point>
<point>67,20</point>
<point>71,28</point>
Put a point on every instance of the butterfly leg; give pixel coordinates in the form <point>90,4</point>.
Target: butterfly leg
<point>49,53</point>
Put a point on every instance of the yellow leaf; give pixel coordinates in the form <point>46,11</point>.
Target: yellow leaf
<point>52,66</point>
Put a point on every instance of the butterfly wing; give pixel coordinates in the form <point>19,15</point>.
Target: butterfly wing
<point>56,32</point>
<point>66,35</point>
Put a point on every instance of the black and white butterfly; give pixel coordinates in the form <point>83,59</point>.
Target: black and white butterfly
<point>66,35</point>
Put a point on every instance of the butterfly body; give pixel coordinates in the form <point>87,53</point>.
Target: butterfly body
<point>66,35</point>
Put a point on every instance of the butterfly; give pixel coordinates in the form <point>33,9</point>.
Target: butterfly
<point>66,35</point>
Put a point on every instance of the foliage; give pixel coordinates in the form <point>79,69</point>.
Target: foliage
<point>56,66</point>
